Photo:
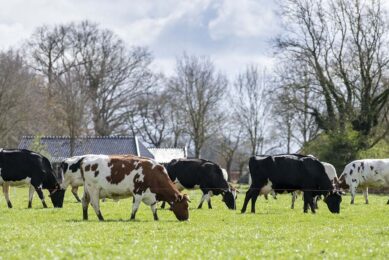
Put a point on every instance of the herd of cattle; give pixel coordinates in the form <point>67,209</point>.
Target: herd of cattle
<point>123,176</point>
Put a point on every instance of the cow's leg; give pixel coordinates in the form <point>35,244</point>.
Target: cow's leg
<point>273,193</point>
<point>352,191</point>
<point>74,191</point>
<point>209,199</point>
<point>308,200</point>
<point>135,205</point>
<point>163,205</point>
<point>94,201</point>
<point>38,190</point>
<point>253,200</point>
<point>202,200</point>
<point>85,203</point>
<point>6,194</point>
<point>266,197</point>
<point>154,210</point>
<point>387,202</point>
<point>30,196</point>
<point>249,194</point>
<point>315,200</point>
<point>294,197</point>
<point>365,194</point>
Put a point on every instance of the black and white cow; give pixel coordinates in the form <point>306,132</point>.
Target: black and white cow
<point>288,173</point>
<point>71,171</point>
<point>365,173</point>
<point>331,173</point>
<point>26,167</point>
<point>203,174</point>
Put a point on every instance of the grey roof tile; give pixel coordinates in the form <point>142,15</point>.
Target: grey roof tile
<point>59,146</point>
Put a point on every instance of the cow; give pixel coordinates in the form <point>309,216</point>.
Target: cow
<point>203,174</point>
<point>18,167</point>
<point>290,173</point>
<point>118,177</point>
<point>331,173</point>
<point>365,173</point>
<point>70,168</point>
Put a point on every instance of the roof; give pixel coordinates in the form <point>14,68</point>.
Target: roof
<point>59,146</point>
<point>165,155</point>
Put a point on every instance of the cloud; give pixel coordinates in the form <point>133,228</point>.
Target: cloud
<point>230,32</point>
<point>243,19</point>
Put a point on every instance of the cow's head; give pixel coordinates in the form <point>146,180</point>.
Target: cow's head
<point>333,200</point>
<point>180,207</point>
<point>57,196</point>
<point>343,181</point>
<point>229,197</point>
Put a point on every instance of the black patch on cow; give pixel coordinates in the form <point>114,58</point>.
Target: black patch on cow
<point>354,180</point>
<point>362,166</point>
<point>64,167</point>
<point>363,177</point>
<point>358,170</point>
<point>96,173</point>
<point>376,172</point>
<point>353,165</point>
<point>351,172</point>
<point>371,167</point>
<point>76,166</point>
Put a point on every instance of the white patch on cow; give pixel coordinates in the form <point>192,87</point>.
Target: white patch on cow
<point>71,178</point>
<point>153,163</point>
<point>149,197</point>
<point>267,188</point>
<point>123,166</point>
<point>16,183</point>
<point>136,164</point>
<point>330,170</point>
<point>225,174</point>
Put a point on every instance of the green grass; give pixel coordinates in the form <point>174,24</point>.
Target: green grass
<point>275,231</point>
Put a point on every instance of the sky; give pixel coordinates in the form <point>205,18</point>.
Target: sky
<point>232,33</point>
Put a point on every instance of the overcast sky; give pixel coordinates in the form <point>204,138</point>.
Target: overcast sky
<point>233,33</point>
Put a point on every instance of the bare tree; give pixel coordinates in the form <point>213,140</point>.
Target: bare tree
<point>20,111</point>
<point>251,106</point>
<point>344,46</point>
<point>113,76</point>
<point>154,118</point>
<point>201,89</point>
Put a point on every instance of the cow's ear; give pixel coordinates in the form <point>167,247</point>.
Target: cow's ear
<point>179,198</point>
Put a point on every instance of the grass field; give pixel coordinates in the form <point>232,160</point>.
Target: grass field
<point>275,231</point>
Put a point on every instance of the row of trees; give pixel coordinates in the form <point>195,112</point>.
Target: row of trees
<point>328,94</point>
<point>78,79</point>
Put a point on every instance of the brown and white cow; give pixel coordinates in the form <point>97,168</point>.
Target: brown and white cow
<point>118,177</point>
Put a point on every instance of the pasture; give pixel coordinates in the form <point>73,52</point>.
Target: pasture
<point>275,231</point>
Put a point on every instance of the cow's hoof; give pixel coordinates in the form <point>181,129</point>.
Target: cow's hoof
<point>9,205</point>
<point>387,202</point>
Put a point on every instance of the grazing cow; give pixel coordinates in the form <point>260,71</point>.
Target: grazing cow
<point>19,167</point>
<point>203,174</point>
<point>289,173</point>
<point>118,177</point>
<point>331,173</point>
<point>70,168</point>
<point>365,173</point>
